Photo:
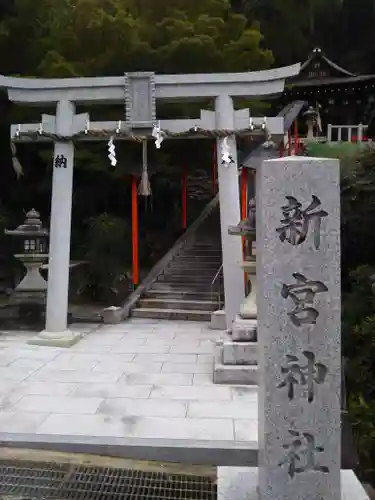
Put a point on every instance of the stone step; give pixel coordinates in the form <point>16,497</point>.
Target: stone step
<point>214,251</point>
<point>198,265</point>
<point>168,303</point>
<point>172,314</point>
<point>193,268</point>
<point>181,295</point>
<point>207,274</point>
<point>190,270</point>
<point>235,374</point>
<point>178,286</point>
<point>239,353</point>
<point>186,278</point>
<point>214,259</point>
<point>194,276</point>
<point>205,245</point>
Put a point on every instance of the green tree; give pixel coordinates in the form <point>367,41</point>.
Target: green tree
<point>103,37</point>
<point>357,42</point>
<point>293,28</point>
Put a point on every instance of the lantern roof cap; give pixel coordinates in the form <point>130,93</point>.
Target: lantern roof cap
<point>31,227</point>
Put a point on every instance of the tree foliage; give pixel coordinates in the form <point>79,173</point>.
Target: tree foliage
<point>99,37</point>
<point>69,38</point>
<point>343,28</point>
<point>87,37</point>
<point>358,336</point>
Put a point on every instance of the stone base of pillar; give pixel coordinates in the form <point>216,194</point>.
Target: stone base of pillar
<point>244,330</point>
<point>112,315</point>
<point>218,320</point>
<point>237,483</point>
<point>236,363</point>
<point>249,307</point>
<point>56,339</point>
<point>239,353</point>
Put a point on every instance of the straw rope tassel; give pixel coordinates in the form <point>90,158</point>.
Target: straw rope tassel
<point>17,167</point>
<point>144,188</point>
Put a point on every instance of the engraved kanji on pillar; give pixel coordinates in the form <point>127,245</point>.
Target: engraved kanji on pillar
<point>299,329</point>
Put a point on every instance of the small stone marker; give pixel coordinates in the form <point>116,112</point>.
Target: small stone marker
<point>298,270</point>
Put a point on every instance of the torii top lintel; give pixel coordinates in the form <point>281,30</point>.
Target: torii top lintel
<point>34,91</point>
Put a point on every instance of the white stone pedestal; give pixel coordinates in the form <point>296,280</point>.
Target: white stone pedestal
<point>56,339</point>
<point>218,320</point>
<point>241,483</point>
<point>112,315</point>
<point>33,280</point>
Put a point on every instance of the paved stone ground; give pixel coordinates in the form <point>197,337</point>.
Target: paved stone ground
<point>140,379</point>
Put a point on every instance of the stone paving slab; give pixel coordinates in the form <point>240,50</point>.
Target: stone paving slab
<point>157,379</point>
<point>141,379</point>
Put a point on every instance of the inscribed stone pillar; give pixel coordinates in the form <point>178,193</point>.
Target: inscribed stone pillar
<point>56,332</point>
<point>298,270</point>
<point>61,209</point>
<point>229,212</point>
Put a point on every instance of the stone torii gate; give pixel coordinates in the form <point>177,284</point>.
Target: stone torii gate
<point>139,92</point>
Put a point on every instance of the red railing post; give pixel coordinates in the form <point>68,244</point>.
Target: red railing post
<point>296,138</point>
<point>135,231</point>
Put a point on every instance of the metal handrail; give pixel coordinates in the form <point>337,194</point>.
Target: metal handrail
<point>217,275</point>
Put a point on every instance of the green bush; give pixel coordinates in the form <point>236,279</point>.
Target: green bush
<point>357,164</point>
<point>107,250</point>
<point>359,349</point>
<point>341,150</point>
<point>362,414</point>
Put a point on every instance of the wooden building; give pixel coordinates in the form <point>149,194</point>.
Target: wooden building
<point>341,97</point>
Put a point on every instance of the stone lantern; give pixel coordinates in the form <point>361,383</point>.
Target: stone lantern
<point>246,229</point>
<point>311,116</point>
<point>32,290</point>
<point>236,357</point>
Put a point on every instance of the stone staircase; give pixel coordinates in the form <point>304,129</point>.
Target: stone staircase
<point>183,291</point>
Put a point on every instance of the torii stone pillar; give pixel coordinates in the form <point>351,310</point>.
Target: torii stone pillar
<point>230,212</point>
<point>66,123</point>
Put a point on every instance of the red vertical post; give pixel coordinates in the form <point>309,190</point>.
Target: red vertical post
<point>282,149</point>
<point>296,138</point>
<point>135,231</point>
<point>184,198</point>
<point>289,142</point>
<point>214,167</point>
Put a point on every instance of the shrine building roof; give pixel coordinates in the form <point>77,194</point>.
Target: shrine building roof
<point>319,70</point>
